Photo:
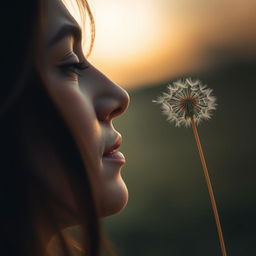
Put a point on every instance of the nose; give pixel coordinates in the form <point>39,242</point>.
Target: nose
<point>112,102</point>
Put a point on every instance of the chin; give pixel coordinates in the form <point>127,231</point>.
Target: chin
<point>114,200</point>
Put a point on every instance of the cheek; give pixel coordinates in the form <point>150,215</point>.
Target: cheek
<point>77,110</point>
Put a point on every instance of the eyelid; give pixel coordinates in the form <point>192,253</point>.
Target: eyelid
<point>70,57</point>
<point>73,69</point>
<point>72,66</point>
<point>79,65</point>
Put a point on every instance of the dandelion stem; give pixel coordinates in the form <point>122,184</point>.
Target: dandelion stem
<point>209,186</point>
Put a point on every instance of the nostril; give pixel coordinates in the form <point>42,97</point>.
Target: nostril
<point>107,109</point>
<point>116,112</point>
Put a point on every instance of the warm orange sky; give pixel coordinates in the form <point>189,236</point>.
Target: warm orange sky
<point>143,42</point>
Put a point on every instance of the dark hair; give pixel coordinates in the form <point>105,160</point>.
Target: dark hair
<point>29,121</point>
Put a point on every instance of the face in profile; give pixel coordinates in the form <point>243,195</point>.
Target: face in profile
<point>88,102</point>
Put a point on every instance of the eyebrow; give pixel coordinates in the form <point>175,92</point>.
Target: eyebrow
<point>65,31</point>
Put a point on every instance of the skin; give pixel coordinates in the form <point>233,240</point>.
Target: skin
<point>88,102</point>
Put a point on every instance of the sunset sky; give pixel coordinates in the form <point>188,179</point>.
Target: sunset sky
<point>144,42</point>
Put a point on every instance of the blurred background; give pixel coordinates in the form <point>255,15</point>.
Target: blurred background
<point>143,45</point>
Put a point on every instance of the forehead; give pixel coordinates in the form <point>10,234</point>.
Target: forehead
<point>56,16</point>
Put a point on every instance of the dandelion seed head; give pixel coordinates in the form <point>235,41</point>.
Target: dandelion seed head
<point>185,99</point>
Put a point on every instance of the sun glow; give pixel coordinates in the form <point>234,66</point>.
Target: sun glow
<point>123,29</point>
<point>128,34</point>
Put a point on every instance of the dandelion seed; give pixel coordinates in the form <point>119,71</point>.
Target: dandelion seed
<point>187,103</point>
<point>185,100</point>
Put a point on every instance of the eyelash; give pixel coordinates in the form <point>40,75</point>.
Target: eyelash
<point>75,68</point>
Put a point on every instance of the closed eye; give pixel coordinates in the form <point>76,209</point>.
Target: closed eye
<point>75,68</point>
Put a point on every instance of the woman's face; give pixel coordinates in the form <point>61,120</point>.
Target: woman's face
<point>88,101</point>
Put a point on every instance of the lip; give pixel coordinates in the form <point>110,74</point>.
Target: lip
<point>112,154</point>
<point>115,156</point>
